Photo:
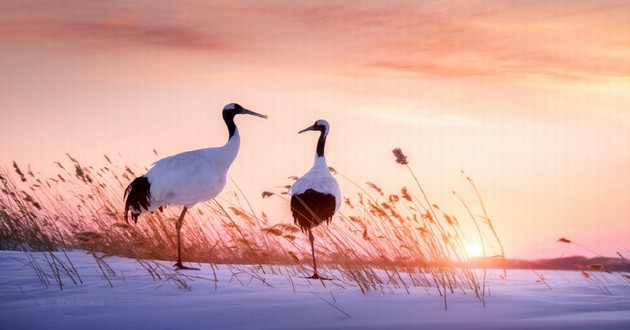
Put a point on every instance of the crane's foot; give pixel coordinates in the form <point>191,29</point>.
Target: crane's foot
<point>180,266</point>
<point>318,277</point>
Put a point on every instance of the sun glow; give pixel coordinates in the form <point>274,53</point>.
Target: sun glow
<point>474,250</point>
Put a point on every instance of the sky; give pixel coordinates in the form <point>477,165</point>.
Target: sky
<point>530,98</point>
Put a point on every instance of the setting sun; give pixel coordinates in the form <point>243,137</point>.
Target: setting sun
<point>474,250</point>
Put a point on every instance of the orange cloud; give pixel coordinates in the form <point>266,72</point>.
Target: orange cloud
<point>581,40</point>
<point>97,34</point>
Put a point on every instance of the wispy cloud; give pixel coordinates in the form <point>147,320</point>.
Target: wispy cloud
<point>114,24</point>
<point>412,116</point>
<point>101,34</point>
<point>580,40</point>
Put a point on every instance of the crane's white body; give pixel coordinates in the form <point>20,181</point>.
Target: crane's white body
<point>191,177</point>
<point>319,179</point>
<point>315,197</point>
<point>186,178</point>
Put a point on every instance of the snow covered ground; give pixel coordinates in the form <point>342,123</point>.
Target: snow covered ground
<point>239,301</point>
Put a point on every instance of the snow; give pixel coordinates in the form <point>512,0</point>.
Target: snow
<point>238,300</point>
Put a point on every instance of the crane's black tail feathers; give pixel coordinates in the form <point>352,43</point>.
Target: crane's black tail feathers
<point>138,197</point>
<point>311,208</point>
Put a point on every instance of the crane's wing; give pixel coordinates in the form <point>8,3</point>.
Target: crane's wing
<point>186,178</point>
<point>319,181</point>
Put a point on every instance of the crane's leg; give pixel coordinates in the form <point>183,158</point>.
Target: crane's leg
<point>312,239</point>
<point>178,226</point>
<point>315,275</point>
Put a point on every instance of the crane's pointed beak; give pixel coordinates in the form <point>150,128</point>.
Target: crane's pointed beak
<point>310,128</point>
<point>249,112</point>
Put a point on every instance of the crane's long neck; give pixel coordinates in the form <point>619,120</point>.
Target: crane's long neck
<point>229,122</point>
<point>320,160</point>
<point>234,139</point>
<point>320,144</point>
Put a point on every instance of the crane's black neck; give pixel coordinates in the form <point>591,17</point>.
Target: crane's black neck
<point>228,117</point>
<point>321,143</point>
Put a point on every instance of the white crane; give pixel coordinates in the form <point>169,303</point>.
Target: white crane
<point>186,178</point>
<point>315,197</point>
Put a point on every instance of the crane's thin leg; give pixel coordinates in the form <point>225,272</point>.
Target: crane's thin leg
<point>178,226</point>
<point>315,275</point>
<point>312,239</point>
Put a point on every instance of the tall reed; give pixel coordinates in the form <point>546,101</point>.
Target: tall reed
<point>380,242</point>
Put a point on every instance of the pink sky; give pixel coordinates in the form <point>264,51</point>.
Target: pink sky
<point>530,98</point>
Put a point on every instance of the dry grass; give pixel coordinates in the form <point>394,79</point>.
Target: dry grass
<point>594,273</point>
<point>384,241</point>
